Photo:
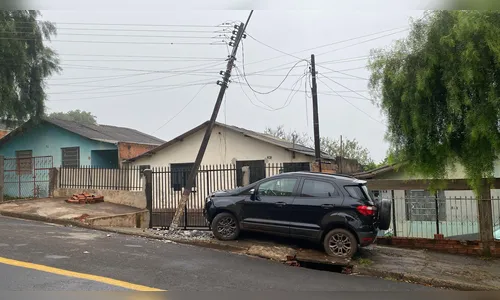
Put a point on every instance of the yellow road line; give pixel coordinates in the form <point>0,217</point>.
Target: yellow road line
<point>110,281</point>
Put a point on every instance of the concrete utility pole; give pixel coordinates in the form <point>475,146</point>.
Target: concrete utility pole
<point>204,143</point>
<point>314,90</point>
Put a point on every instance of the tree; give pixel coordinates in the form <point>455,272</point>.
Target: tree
<point>439,89</point>
<point>292,136</point>
<point>25,63</point>
<point>76,116</point>
<point>350,148</point>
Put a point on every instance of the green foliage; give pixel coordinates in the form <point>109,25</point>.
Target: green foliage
<point>25,63</point>
<point>350,148</point>
<point>76,116</point>
<point>440,88</point>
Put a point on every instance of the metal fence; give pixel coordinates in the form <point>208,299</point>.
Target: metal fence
<point>27,177</point>
<point>127,178</point>
<point>168,184</point>
<point>453,217</point>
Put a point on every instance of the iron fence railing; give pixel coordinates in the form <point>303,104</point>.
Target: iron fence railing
<point>453,217</point>
<point>127,178</point>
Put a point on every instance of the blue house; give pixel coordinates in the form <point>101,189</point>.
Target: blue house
<point>32,149</point>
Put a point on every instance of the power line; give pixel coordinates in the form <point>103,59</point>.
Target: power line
<point>342,72</point>
<point>179,112</point>
<point>351,103</point>
<point>322,46</point>
<point>135,83</point>
<point>131,36</point>
<point>345,87</point>
<point>215,30</point>
<point>183,58</point>
<point>219,43</point>
<point>86,67</point>
<point>127,94</point>
<point>132,24</point>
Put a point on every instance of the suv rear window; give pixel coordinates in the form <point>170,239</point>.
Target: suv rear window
<point>358,192</point>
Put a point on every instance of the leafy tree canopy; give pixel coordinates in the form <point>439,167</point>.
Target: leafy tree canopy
<point>25,63</point>
<point>76,116</point>
<point>440,88</point>
<point>350,148</point>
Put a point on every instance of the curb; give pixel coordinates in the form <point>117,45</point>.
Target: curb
<point>435,282</point>
<point>66,222</point>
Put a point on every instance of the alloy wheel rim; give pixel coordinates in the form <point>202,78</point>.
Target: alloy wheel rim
<point>226,226</point>
<point>340,244</point>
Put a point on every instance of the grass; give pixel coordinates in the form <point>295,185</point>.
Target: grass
<point>364,262</point>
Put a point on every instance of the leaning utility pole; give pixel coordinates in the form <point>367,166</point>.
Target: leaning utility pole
<point>204,143</point>
<point>314,90</point>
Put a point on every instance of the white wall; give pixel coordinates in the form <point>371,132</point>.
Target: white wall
<point>225,147</point>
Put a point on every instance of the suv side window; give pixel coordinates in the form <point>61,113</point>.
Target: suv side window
<point>277,187</point>
<point>355,192</point>
<point>319,189</point>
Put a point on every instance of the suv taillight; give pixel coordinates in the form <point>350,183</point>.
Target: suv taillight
<point>366,210</point>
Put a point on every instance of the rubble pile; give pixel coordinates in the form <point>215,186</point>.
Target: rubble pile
<point>85,198</point>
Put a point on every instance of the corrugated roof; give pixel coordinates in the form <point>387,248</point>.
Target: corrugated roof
<point>106,133</point>
<point>259,136</point>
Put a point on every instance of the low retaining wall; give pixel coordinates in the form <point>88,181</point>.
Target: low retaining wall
<point>129,198</point>
<point>134,220</point>
<point>441,245</point>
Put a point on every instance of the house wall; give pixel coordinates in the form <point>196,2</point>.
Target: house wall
<point>225,147</point>
<point>47,140</point>
<point>461,207</point>
<point>43,140</point>
<point>131,150</point>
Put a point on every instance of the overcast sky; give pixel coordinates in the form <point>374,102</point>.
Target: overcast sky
<point>143,82</point>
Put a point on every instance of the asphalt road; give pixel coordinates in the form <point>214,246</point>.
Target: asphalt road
<point>153,263</point>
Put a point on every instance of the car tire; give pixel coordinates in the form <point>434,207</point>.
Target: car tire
<point>340,243</point>
<point>384,214</point>
<point>225,227</point>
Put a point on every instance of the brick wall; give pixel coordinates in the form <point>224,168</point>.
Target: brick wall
<point>3,133</point>
<point>441,245</point>
<point>130,150</point>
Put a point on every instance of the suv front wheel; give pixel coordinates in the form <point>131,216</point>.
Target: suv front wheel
<point>340,243</point>
<point>225,227</point>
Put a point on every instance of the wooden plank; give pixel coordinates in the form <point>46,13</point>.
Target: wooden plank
<point>422,184</point>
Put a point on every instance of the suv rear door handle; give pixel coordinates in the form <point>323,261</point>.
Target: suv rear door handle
<point>280,204</point>
<point>327,206</point>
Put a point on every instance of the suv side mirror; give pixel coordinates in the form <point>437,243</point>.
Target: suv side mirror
<point>252,194</point>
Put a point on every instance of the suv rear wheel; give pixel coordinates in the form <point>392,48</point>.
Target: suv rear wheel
<point>340,243</point>
<point>225,227</point>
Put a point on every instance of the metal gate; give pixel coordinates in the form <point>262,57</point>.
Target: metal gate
<point>27,177</point>
<point>167,186</point>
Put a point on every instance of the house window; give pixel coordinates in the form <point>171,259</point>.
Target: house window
<point>257,170</point>
<point>24,162</point>
<point>71,157</point>
<point>421,206</point>
<point>179,175</point>
<point>296,167</point>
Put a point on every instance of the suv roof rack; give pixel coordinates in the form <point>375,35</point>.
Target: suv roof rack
<point>329,174</point>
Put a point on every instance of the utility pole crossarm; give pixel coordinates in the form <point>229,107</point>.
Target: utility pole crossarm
<point>204,143</point>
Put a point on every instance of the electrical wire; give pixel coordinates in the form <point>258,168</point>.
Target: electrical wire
<point>183,58</point>
<point>345,87</point>
<point>342,72</point>
<point>127,94</point>
<point>135,83</point>
<point>87,67</point>
<point>130,35</point>
<point>182,109</point>
<point>351,103</point>
<point>322,46</point>
<point>268,92</point>
<point>219,43</point>
<point>131,24</point>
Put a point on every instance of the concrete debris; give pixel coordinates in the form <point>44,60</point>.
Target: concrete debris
<point>201,235</point>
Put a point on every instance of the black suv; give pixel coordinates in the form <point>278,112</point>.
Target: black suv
<point>335,210</point>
